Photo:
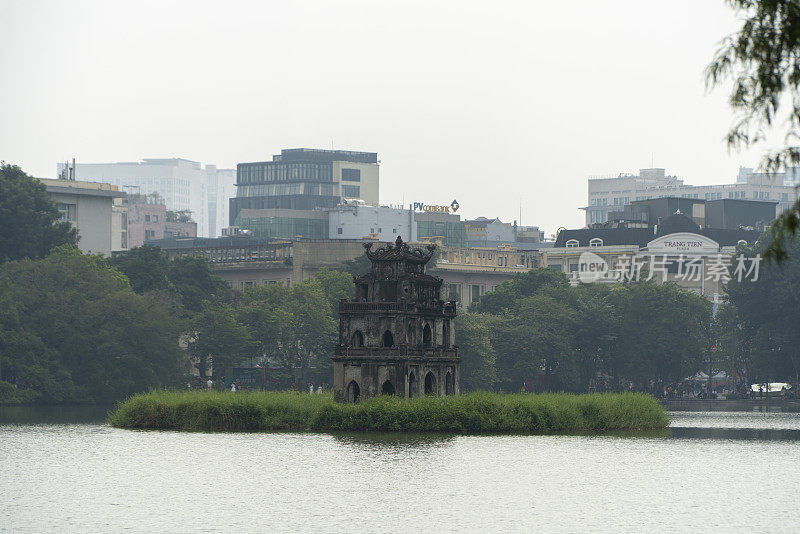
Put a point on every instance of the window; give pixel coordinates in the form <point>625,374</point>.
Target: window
<point>380,230</point>
<point>394,230</point>
<point>475,291</point>
<point>351,191</point>
<point>147,218</point>
<point>454,292</point>
<point>573,267</point>
<point>68,212</point>
<point>596,242</point>
<point>155,218</point>
<point>572,243</point>
<point>555,266</point>
<point>351,175</point>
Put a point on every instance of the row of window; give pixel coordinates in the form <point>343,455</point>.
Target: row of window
<point>271,190</point>
<point>594,242</point>
<point>282,172</point>
<point>351,191</point>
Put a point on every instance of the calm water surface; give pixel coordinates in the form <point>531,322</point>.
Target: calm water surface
<point>67,471</point>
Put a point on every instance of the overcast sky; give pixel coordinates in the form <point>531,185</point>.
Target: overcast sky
<point>491,103</point>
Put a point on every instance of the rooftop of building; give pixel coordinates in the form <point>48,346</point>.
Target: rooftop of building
<point>76,187</point>
<point>317,155</point>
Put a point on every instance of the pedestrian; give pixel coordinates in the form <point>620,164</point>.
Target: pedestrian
<point>233,387</point>
<point>210,383</point>
<point>311,388</point>
<point>319,389</point>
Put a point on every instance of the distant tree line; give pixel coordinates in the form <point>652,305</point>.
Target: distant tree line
<point>537,331</point>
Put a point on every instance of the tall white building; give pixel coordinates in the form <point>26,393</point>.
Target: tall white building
<point>608,194</point>
<point>184,185</point>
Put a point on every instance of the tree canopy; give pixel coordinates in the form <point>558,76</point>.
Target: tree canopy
<point>762,60</point>
<point>72,329</point>
<point>30,223</point>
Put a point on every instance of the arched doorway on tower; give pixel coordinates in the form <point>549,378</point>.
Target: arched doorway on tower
<point>430,384</point>
<point>353,392</point>
<point>411,384</point>
<point>387,388</point>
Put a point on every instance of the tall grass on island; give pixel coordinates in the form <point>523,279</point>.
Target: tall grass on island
<point>473,413</point>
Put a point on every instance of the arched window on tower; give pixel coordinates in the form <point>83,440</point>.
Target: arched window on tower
<point>388,339</point>
<point>427,336</point>
<point>358,339</point>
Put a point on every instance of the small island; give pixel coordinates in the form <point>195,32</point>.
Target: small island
<point>472,413</point>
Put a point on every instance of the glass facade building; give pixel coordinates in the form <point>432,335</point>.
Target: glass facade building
<point>285,227</point>
<point>301,179</point>
<point>452,231</point>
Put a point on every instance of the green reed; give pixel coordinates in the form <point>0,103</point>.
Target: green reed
<point>472,413</point>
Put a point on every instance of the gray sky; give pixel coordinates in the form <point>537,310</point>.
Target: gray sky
<point>491,103</point>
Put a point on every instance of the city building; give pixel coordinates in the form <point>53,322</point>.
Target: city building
<point>147,216</point>
<point>305,179</point>
<point>383,223</point>
<point>724,213</point>
<point>789,177</point>
<point>691,247</point>
<point>184,185</point>
<point>396,337</point>
<point>442,228</point>
<point>95,209</point>
<point>482,232</point>
<point>245,260</point>
<point>611,194</point>
<point>149,219</point>
<point>468,273</point>
<point>284,223</point>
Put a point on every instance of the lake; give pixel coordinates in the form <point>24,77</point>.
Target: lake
<point>65,470</point>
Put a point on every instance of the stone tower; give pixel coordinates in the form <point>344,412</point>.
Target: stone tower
<point>396,336</point>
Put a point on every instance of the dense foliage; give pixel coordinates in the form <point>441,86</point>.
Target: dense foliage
<point>29,220</point>
<point>467,414</point>
<point>72,329</point>
<point>538,330</point>
<point>757,335</point>
<point>290,329</point>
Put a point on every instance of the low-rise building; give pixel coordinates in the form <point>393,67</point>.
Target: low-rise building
<point>94,209</point>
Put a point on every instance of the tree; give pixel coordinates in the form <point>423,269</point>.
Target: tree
<point>662,333</point>
<point>507,294</point>
<point>336,286</point>
<point>767,315</point>
<point>30,223</point>
<point>473,337</point>
<point>596,332</point>
<point>72,329</point>
<point>147,267</point>
<point>219,339</point>
<point>192,279</point>
<point>180,216</point>
<point>358,266</point>
<point>534,341</point>
<point>763,62</point>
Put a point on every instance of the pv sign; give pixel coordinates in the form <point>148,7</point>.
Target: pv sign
<point>592,268</point>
